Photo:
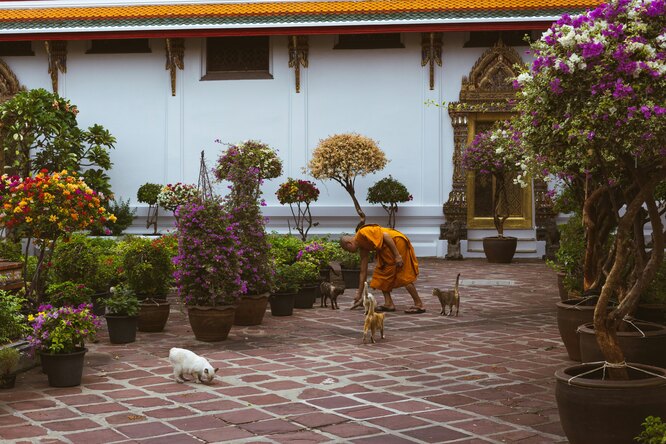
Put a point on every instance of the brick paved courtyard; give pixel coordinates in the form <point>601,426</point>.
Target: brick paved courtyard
<point>484,377</point>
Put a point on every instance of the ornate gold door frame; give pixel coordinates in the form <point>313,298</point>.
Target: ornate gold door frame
<point>480,207</point>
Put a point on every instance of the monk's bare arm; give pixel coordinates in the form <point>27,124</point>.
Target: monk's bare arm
<point>388,241</point>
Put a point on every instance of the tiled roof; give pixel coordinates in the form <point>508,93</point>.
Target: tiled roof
<point>42,17</point>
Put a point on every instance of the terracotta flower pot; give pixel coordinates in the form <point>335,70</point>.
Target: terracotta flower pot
<point>571,314</point>
<point>602,411</point>
<point>211,324</point>
<point>251,309</point>
<point>153,314</point>
<point>500,250</point>
<point>641,342</point>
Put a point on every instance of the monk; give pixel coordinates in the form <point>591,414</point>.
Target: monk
<point>396,264</point>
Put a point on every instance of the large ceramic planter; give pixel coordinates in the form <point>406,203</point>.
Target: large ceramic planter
<point>305,298</point>
<point>282,304</point>
<point>564,294</point>
<point>642,342</point>
<point>99,303</point>
<point>571,314</point>
<point>211,324</point>
<point>500,250</point>
<point>63,369</point>
<point>153,314</point>
<point>596,411</point>
<point>122,329</point>
<point>350,276</point>
<point>652,312</point>
<point>251,309</point>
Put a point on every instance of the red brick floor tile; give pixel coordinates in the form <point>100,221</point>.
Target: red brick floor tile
<point>145,430</point>
<point>125,394</point>
<point>292,408</point>
<point>365,412</point>
<point>197,423</point>
<point>95,436</point>
<point>97,409</point>
<point>443,415</point>
<point>178,438</point>
<point>264,400</point>
<point>315,420</point>
<point>350,430</point>
<point>398,422</point>
<point>223,434</point>
<point>382,439</point>
<point>170,412</point>
<point>71,425</point>
<point>237,416</point>
<point>482,426</point>
<point>281,385</point>
<point>148,402</point>
<point>125,418</point>
<point>210,406</point>
<point>76,400</point>
<point>270,426</point>
<point>435,434</point>
<point>24,431</point>
<point>12,420</point>
<point>302,436</point>
<point>334,402</point>
<point>188,398</point>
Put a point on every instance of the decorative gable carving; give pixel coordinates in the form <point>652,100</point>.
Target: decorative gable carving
<point>9,84</point>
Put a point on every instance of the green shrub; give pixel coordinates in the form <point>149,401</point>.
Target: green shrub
<point>75,261</point>
<point>284,247</point>
<point>9,359</point>
<point>147,266</point>
<point>571,253</point>
<point>654,431</point>
<point>10,250</point>
<point>124,218</point>
<point>68,293</point>
<point>13,324</point>
<point>122,302</point>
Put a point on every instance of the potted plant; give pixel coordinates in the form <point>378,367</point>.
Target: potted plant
<point>593,74</point>
<point>147,193</point>
<point>68,293</point>
<point>307,273</point>
<point>300,193</point>
<point>58,337</point>
<point>285,289</point>
<point>389,192</point>
<point>208,268</point>
<point>122,309</point>
<point>44,209</point>
<point>318,252</point>
<point>350,265</point>
<point>654,431</point>
<point>246,166</point>
<point>344,157</point>
<point>147,269</point>
<point>494,153</point>
<point>9,361</point>
<point>172,196</point>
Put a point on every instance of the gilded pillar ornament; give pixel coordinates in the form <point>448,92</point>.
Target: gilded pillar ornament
<point>298,56</point>
<point>175,54</point>
<point>455,209</point>
<point>431,53</point>
<point>56,51</point>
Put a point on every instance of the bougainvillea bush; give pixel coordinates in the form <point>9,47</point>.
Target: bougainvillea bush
<point>497,153</point>
<point>389,192</point>
<point>592,112</point>
<point>207,267</point>
<point>344,157</point>
<point>46,208</point>
<point>299,193</point>
<point>246,166</point>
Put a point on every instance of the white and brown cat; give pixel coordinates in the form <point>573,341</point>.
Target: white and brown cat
<point>186,362</point>
<point>373,321</point>
<point>449,298</point>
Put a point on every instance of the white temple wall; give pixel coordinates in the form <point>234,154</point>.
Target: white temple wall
<point>378,93</point>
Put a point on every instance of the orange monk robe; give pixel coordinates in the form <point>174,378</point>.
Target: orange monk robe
<point>387,276</point>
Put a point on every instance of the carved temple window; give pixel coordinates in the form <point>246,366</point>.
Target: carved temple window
<point>369,41</point>
<point>16,49</point>
<point>486,96</point>
<point>234,58</point>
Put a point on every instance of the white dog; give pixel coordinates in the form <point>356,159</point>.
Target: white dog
<point>186,362</point>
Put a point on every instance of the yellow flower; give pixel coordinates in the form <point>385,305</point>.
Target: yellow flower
<point>28,219</point>
<point>53,218</point>
<point>113,218</point>
<point>31,318</point>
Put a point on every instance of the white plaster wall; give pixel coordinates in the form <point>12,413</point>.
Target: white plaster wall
<point>378,93</point>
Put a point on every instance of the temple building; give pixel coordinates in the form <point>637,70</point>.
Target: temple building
<point>170,77</point>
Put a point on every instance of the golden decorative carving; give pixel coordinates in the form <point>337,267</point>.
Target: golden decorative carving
<point>9,84</point>
<point>175,54</point>
<point>298,56</point>
<point>431,53</point>
<point>56,51</point>
<point>485,91</point>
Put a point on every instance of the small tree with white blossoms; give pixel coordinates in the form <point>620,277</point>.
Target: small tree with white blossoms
<point>344,157</point>
<point>592,112</point>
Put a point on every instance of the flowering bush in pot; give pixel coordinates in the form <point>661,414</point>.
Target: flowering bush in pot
<point>172,196</point>
<point>389,192</point>
<point>299,193</point>
<point>47,208</point>
<point>344,157</point>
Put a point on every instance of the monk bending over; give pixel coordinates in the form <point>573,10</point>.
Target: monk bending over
<point>396,264</point>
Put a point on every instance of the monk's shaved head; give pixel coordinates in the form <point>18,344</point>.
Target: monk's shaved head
<point>348,243</point>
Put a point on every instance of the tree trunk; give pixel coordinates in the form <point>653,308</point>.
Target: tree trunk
<point>359,210</point>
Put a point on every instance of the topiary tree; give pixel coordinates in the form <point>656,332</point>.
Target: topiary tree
<point>148,193</point>
<point>592,112</point>
<point>344,157</point>
<point>389,192</point>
